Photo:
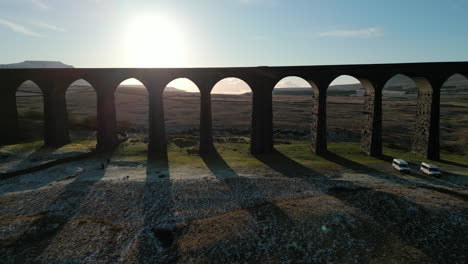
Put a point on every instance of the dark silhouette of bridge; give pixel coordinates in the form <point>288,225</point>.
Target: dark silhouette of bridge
<point>429,78</point>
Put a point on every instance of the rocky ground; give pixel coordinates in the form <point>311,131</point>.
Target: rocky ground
<point>286,207</point>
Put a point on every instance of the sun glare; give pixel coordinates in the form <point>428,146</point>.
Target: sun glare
<point>154,41</point>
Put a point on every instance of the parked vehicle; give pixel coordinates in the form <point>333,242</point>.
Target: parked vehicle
<point>430,169</point>
<point>401,165</point>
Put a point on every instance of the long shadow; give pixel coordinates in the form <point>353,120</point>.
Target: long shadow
<point>288,167</point>
<point>358,167</point>
<point>37,155</point>
<point>218,166</point>
<point>374,203</point>
<point>454,163</point>
<point>30,163</point>
<point>333,157</point>
<point>389,159</point>
<point>392,214</point>
<point>264,211</point>
<point>385,158</point>
<point>41,154</point>
<point>158,213</point>
<point>42,231</point>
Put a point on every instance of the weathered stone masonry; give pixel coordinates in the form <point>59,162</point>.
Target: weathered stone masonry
<point>429,78</point>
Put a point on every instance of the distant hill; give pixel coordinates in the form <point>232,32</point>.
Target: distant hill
<point>167,89</point>
<point>35,64</point>
<point>337,90</point>
<point>173,89</point>
<point>293,91</point>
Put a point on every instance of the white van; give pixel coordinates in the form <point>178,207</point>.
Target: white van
<point>401,165</point>
<point>430,169</point>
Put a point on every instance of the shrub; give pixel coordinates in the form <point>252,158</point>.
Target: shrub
<point>88,122</point>
<point>33,115</point>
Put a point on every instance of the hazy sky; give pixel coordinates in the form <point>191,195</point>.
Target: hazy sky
<point>140,33</point>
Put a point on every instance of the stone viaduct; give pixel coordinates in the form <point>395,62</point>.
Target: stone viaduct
<point>429,78</point>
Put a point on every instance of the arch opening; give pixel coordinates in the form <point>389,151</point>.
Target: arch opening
<point>131,107</point>
<point>399,109</point>
<point>182,113</point>
<point>82,110</point>
<point>231,102</point>
<point>345,102</point>
<point>30,107</point>
<point>454,115</point>
<point>292,109</point>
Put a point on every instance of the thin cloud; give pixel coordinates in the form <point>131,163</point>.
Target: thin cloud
<point>49,26</point>
<point>365,32</point>
<point>19,28</point>
<point>40,4</point>
<point>269,2</point>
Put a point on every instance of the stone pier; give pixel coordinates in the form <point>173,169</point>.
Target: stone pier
<point>426,129</point>
<point>157,146</point>
<point>106,118</point>
<point>9,129</point>
<point>261,140</point>
<point>318,142</point>
<point>371,132</point>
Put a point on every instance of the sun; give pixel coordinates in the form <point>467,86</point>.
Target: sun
<point>154,41</point>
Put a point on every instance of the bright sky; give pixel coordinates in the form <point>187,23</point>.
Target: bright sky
<point>209,33</point>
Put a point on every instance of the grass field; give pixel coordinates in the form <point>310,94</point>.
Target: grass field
<point>182,154</point>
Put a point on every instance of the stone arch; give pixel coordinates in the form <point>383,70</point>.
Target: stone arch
<point>29,83</point>
<point>183,83</point>
<point>181,100</point>
<point>292,108</point>
<point>129,80</point>
<point>231,100</point>
<point>345,102</point>
<point>399,108</point>
<point>131,107</point>
<point>30,109</point>
<point>78,81</point>
<point>453,123</point>
<point>82,110</point>
<point>234,85</point>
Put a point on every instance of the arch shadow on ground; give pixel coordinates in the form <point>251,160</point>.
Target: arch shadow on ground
<point>261,209</point>
<point>358,167</point>
<point>158,212</point>
<point>42,231</point>
<point>376,202</point>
